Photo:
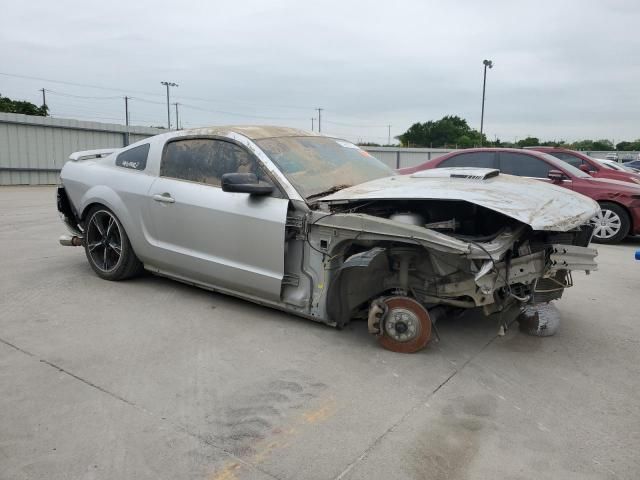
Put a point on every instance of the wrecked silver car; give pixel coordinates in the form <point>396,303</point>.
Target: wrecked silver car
<point>318,227</point>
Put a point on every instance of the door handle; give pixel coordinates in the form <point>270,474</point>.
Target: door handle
<point>165,198</point>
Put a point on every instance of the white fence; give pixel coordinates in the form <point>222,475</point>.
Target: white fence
<point>33,149</point>
<point>405,157</point>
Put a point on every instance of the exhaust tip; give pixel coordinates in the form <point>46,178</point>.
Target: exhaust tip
<point>70,241</point>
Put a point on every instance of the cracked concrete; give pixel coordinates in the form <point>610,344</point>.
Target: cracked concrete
<point>154,379</point>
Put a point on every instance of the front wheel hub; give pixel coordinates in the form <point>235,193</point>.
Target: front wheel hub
<point>406,327</point>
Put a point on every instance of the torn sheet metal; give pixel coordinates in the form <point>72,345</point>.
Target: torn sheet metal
<point>538,204</point>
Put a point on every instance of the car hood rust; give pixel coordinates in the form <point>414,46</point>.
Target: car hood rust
<point>538,204</point>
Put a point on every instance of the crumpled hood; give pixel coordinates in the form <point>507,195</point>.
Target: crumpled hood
<point>539,204</point>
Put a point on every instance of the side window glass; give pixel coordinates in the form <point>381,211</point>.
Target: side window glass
<point>570,159</point>
<point>206,160</point>
<point>523,165</point>
<point>135,158</point>
<point>475,159</point>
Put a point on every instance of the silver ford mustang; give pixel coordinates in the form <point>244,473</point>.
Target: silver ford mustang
<point>315,226</point>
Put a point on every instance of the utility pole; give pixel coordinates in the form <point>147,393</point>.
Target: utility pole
<point>44,98</point>
<point>319,119</point>
<point>389,135</point>
<point>177,117</point>
<point>312,123</point>
<point>169,84</point>
<point>126,119</point>
<point>486,63</point>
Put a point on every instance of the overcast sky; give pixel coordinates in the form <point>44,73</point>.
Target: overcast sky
<point>563,69</point>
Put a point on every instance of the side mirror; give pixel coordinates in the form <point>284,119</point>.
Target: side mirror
<point>586,169</point>
<point>245,183</point>
<point>555,175</point>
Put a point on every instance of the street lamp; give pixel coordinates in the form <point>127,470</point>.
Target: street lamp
<point>169,84</point>
<point>486,63</point>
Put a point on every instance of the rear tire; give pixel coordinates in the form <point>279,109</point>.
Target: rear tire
<point>107,246</point>
<point>612,224</point>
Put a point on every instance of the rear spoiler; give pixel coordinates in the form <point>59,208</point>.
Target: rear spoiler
<point>87,154</point>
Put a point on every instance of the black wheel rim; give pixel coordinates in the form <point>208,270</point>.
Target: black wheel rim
<point>104,241</point>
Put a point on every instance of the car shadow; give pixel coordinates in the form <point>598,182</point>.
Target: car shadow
<point>633,241</point>
<point>459,331</point>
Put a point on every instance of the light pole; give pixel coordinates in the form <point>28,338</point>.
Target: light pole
<point>44,101</point>
<point>319,119</point>
<point>177,117</point>
<point>486,63</point>
<point>126,116</point>
<point>169,84</point>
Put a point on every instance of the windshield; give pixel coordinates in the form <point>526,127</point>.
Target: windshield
<point>315,165</point>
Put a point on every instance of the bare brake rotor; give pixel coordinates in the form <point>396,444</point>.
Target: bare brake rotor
<point>406,325</point>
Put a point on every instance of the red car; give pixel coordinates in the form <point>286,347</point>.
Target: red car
<point>588,164</point>
<point>619,201</point>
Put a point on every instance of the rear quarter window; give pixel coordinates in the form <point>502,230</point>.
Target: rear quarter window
<point>135,158</point>
<point>523,165</point>
<point>472,159</point>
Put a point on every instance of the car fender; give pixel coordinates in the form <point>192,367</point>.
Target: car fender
<point>104,195</point>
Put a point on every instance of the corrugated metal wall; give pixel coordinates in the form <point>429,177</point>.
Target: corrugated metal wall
<point>405,157</point>
<point>33,149</point>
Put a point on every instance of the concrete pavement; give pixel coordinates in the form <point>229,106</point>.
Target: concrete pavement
<point>150,378</point>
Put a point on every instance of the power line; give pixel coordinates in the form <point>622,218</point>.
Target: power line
<point>354,125</point>
<point>146,100</point>
<point>62,94</point>
<point>74,84</point>
<point>128,91</point>
<point>237,114</point>
<point>239,102</point>
<point>363,125</point>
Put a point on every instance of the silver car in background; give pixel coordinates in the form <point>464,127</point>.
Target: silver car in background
<point>316,226</point>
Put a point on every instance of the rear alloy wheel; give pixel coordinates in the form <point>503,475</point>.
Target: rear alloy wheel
<point>611,223</point>
<point>406,328</point>
<point>107,246</point>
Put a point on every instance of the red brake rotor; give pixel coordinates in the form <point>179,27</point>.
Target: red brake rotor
<point>406,327</point>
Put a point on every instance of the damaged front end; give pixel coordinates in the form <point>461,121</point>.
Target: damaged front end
<point>402,263</point>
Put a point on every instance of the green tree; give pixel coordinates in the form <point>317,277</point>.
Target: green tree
<point>582,145</point>
<point>449,131</point>
<point>624,146</point>
<point>552,143</point>
<point>529,142</point>
<point>603,145</point>
<point>21,106</point>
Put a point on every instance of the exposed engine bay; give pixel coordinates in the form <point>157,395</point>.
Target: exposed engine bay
<point>399,263</point>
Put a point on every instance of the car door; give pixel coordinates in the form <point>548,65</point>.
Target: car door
<point>523,165</point>
<point>232,241</point>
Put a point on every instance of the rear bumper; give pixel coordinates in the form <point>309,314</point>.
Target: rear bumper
<point>67,212</point>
